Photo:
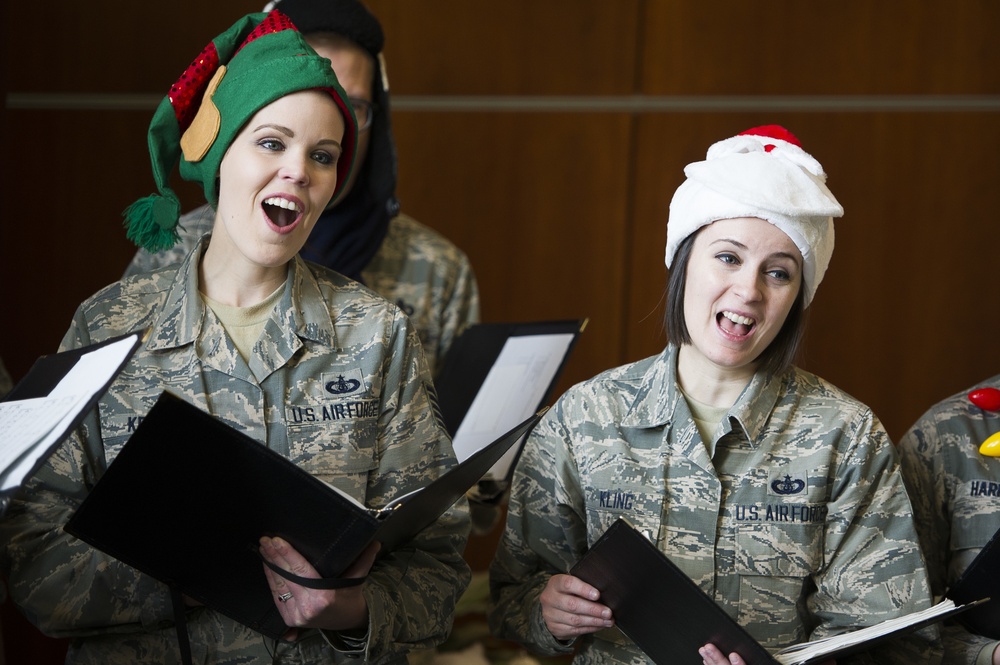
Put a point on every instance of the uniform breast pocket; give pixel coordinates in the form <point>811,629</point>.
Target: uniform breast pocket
<point>774,564</point>
<point>342,454</point>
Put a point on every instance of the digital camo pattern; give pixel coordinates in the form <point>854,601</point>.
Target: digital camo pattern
<point>956,498</point>
<point>799,527</point>
<point>337,383</point>
<point>416,268</point>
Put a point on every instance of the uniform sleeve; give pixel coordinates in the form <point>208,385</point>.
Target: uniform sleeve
<point>925,475</point>
<point>545,535</point>
<point>460,307</point>
<point>61,584</point>
<point>412,591</point>
<point>874,568</point>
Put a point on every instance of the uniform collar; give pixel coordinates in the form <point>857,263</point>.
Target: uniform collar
<point>182,317</point>
<point>656,401</point>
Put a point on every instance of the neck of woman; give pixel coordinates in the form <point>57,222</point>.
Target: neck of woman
<point>236,283</point>
<point>709,383</point>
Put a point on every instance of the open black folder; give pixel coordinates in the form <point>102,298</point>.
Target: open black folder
<point>981,579</point>
<point>665,613</point>
<point>51,401</point>
<point>188,498</point>
<point>497,374</point>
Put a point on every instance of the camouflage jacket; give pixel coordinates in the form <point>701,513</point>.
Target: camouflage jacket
<point>780,528</point>
<point>416,268</point>
<point>956,500</point>
<point>324,327</point>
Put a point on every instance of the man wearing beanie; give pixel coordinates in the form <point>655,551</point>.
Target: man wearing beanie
<point>307,363</point>
<point>778,494</point>
<point>364,235</point>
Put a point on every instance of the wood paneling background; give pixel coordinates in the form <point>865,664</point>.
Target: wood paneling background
<point>546,139</point>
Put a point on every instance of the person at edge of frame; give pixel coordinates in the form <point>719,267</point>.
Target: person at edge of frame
<point>947,475</point>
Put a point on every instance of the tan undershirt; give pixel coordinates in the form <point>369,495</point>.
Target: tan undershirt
<point>706,419</point>
<point>245,324</point>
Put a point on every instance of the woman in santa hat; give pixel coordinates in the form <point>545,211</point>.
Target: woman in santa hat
<point>777,493</point>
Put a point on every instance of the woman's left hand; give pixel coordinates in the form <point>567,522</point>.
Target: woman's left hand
<point>329,609</point>
<point>711,655</point>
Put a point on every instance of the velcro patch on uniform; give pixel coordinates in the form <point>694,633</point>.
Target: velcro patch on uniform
<point>344,383</point>
<point>787,483</point>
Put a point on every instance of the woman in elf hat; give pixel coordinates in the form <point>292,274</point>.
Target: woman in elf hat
<point>365,235</point>
<point>312,365</point>
<point>777,493</point>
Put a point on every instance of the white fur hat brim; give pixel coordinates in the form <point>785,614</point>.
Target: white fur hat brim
<point>765,177</point>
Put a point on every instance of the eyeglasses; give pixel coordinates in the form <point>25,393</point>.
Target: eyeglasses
<point>364,111</point>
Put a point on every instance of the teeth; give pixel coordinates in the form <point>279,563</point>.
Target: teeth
<point>736,318</point>
<point>282,203</point>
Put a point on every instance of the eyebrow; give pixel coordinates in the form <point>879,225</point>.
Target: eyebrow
<point>740,245</point>
<point>289,133</point>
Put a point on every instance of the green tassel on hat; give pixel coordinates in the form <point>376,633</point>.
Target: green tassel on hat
<point>152,221</point>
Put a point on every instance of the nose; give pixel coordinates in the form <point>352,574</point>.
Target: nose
<point>295,168</point>
<point>748,286</point>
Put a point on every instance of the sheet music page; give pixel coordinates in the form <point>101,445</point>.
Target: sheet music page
<point>806,651</point>
<point>25,423</point>
<point>30,427</point>
<point>512,391</point>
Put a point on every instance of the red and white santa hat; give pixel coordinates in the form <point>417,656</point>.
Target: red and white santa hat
<point>762,172</point>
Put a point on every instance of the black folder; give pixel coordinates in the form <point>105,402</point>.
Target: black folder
<point>669,617</point>
<point>41,380</point>
<point>188,498</point>
<point>981,579</point>
<point>469,362</point>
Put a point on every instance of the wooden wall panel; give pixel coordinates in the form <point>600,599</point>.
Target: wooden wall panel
<point>535,200</point>
<point>80,170</point>
<point>519,47</point>
<point>108,46</point>
<point>786,47</point>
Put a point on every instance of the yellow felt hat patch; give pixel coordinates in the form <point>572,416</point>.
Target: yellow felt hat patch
<point>204,129</point>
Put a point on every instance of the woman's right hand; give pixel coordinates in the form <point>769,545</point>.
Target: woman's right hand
<point>570,609</point>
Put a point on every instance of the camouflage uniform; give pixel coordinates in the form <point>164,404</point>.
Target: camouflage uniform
<point>955,499</point>
<point>416,268</point>
<point>799,526</point>
<point>328,327</point>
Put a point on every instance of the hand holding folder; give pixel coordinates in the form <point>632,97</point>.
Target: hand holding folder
<point>669,617</point>
<point>188,498</point>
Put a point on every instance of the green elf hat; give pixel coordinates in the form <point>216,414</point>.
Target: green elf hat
<point>257,61</point>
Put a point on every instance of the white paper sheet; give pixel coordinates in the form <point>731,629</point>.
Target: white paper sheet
<point>29,427</point>
<point>512,391</point>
